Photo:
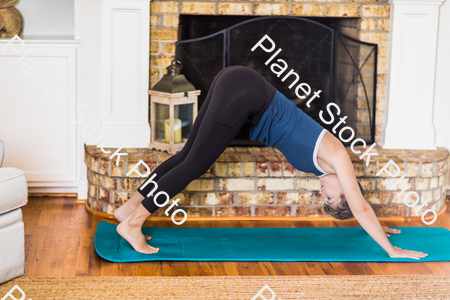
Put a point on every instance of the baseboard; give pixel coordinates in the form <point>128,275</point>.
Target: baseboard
<point>69,195</point>
<point>52,190</point>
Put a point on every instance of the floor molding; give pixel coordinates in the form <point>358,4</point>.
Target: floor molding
<point>53,195</point>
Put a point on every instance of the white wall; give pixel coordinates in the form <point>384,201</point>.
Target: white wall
<point>47,17</point>
<point>414,27</point>
<point>442,96</point>
<point>44,140</point>
<point>113,108</point>
<point>441,117</point>
<point>38,90</point>
<point>90,85</point>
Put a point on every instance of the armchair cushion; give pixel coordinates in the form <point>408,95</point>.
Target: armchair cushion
<point>2,153</point>
<point>13,189</point>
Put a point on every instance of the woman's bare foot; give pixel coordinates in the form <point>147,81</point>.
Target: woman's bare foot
<point>134,236</point>
<point>131,230</point>
<point>122,212</point>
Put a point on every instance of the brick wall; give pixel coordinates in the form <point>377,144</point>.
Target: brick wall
<point>373,27</point>
<point>258,181</point>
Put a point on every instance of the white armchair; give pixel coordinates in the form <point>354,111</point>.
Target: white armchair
<point>13,195</point>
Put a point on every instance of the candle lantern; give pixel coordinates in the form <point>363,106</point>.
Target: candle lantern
<point>173,109</point>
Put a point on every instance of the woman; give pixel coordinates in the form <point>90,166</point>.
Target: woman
<point>237,94</point>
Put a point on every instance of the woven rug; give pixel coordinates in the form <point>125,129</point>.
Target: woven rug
<point>231,287</point>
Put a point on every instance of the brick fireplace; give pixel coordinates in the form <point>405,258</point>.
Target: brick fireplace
<point>372,26</point>
<point>258,181</point>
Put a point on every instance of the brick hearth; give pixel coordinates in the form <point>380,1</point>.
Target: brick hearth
<point>258,181</point>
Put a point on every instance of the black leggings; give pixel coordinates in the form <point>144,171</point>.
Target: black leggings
<point>237,94</point>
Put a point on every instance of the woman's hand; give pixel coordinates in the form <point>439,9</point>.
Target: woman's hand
<point>400,253</point>
<point>390,230</point>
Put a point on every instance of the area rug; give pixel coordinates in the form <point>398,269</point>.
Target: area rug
<point>271,244</point>
<point>230,287</point>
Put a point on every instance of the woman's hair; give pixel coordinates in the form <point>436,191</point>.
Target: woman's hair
<point>342,210</point>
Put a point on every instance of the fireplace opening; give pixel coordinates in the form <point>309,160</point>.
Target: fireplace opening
<point>324,52</point>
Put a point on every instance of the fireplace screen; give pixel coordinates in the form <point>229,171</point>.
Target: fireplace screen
<point>342,67</point>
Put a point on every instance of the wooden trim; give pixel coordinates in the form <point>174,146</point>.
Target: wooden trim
<point>52,195</point>
<point>407,219</point>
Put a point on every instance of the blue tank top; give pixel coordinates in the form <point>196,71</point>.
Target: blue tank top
<point>287,128</point>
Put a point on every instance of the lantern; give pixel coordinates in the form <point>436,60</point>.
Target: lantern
<point>173,109</point>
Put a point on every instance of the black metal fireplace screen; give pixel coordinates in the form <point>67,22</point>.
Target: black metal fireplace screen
<point>342,67</point>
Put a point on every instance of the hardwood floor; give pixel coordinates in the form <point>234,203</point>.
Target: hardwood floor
<point>59,241</point>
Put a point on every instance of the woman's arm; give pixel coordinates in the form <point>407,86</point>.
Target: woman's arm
<point>335,155</point>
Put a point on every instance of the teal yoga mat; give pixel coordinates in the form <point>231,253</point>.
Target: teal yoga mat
<point>271,244</point>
